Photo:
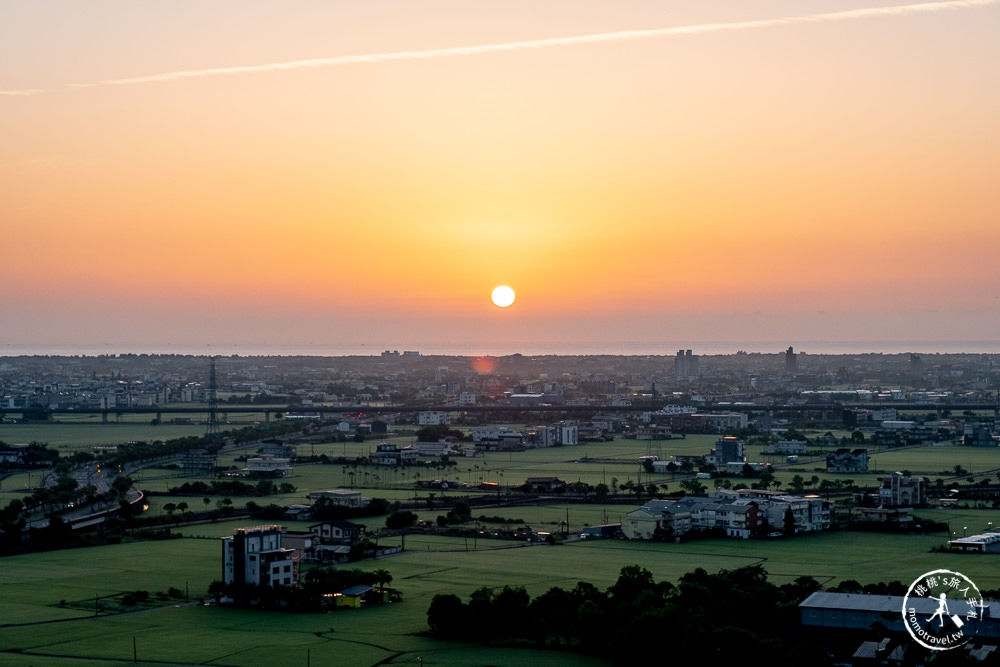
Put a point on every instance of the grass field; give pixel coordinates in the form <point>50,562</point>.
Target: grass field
<point>44,633</point>
<point>35,624</point>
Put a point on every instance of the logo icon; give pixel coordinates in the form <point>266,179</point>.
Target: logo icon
<point>942,610</point>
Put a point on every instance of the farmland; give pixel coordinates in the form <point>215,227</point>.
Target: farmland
<point>56,605</point>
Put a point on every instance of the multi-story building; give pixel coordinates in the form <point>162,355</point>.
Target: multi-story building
<point>727,450</point>
<point>255,556</point>
<point>391,455</point>
<point>267,465</point>
<point>434,418</point>
<point>739,514</point>
<point>657,520</point>
<point>846,460</point>
<point>898,490</point>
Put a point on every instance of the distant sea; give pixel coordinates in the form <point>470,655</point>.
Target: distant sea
<point>643,348</point>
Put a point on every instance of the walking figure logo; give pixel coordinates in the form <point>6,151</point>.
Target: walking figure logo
<point>957,608</point>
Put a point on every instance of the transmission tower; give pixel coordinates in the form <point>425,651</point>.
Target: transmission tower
<point>213,402</point>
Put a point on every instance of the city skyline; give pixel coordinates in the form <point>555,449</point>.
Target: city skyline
<point>321,174</point>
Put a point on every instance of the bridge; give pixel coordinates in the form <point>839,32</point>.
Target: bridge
<point>50,414</point>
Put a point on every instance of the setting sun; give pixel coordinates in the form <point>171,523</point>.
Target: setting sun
<point>503,296</point>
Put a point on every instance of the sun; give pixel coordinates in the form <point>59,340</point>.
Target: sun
<point>503,296</point>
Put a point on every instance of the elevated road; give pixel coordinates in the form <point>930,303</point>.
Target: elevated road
<point>48,414</point>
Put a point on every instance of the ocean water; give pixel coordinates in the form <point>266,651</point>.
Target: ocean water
<point>644,348</point>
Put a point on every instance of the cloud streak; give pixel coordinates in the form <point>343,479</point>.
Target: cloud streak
<point>621,36</point>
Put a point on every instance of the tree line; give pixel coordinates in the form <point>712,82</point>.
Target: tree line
<point>720,617</point>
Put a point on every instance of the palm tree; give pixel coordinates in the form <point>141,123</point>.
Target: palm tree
<point>382,577</point>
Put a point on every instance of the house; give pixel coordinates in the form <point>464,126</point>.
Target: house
<point>300,543</point>
<point>199,459</point>
<point>808,514</point>
<point>979,437</point>
<point>741,520</point>
<point>439,448</point>
<point>899,516</point>
<point>719,422</point>
<point>267,465</point>
<point>256,556</point>
<point>356,596</point>
<point>341,497</point>
<point>735,517</point>
<point>391,455</point>
<point>277,449</point>
<point>657,520</point>
<point>846,460</point>
<point>789,447</point>
<point>434,418</point>
<point>11,455</point>
<point>379,426</point>
<point>984,543</point>
<point>501,438</point>
<point>545,483</point>
<point>604,530</point>
<point>337,532</point>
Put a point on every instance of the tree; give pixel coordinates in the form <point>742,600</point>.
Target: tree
<point>121,486</point>
<point>693,487</point>
<point>632,581</point>
<point>601,492</point>
<point>217,589</point>
<point>798,484</point>
<point>510,611</point>
<point>551,612</point>
<point>789,528</point>
<point>383,577</point>
<point>447,615</point>
<point>400,519</point>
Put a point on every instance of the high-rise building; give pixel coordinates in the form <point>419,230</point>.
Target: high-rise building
<point>685,365</point>
<point>791,363</point>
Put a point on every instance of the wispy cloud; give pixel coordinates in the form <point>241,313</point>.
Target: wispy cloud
<point>626,35</point>
<point>25,92</point>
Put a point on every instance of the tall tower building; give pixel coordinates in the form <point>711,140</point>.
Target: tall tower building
<point>685,365</point>
<point>791,363</point>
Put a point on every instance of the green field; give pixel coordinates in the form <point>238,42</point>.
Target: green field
<point>34,623</point>
<point>35,628</point>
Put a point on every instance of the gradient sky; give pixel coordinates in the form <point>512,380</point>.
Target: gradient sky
<point>717,174</point>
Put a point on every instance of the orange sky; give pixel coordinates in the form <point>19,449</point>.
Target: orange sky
<point>831,177</point>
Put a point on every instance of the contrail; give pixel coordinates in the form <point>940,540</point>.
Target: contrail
<point>626,35</point>
<point>24,92</point>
